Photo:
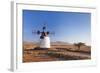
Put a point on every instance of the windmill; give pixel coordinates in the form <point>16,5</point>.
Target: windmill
<point>44,37</point>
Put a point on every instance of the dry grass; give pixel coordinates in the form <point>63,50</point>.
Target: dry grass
<point>56,52</point>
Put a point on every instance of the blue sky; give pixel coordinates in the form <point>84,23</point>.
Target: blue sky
<point>69,27</point>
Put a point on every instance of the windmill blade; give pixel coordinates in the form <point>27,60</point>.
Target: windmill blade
<point>44,26</point>
<point>38,32</point>
<point>48,32</point>
<point>52,33</point>
<point>34,32</point>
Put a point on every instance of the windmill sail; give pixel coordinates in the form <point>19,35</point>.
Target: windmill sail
<point>44,37</point>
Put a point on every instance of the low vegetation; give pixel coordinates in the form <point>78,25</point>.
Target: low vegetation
<point>77,51</point>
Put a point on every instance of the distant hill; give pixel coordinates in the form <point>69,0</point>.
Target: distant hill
<point>52,43</point>
<point>60,43</point>
<point>34,43</point>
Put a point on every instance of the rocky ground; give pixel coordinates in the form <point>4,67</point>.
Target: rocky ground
<point>55,53</point>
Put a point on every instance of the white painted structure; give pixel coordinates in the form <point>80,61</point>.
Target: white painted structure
<point>45,42</point>
<point>44,38</point>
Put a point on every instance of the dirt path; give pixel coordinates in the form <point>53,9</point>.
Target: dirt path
<point>51,55</point>
<point>75,54</point>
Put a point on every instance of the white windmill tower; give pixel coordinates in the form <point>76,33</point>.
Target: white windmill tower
<point>44,38</point>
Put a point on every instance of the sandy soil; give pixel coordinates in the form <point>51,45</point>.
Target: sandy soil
<point>55,53</point>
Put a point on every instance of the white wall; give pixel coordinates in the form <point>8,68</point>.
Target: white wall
<point>5,36</point>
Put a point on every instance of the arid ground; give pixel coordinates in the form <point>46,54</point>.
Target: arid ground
<point>59,51</point>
